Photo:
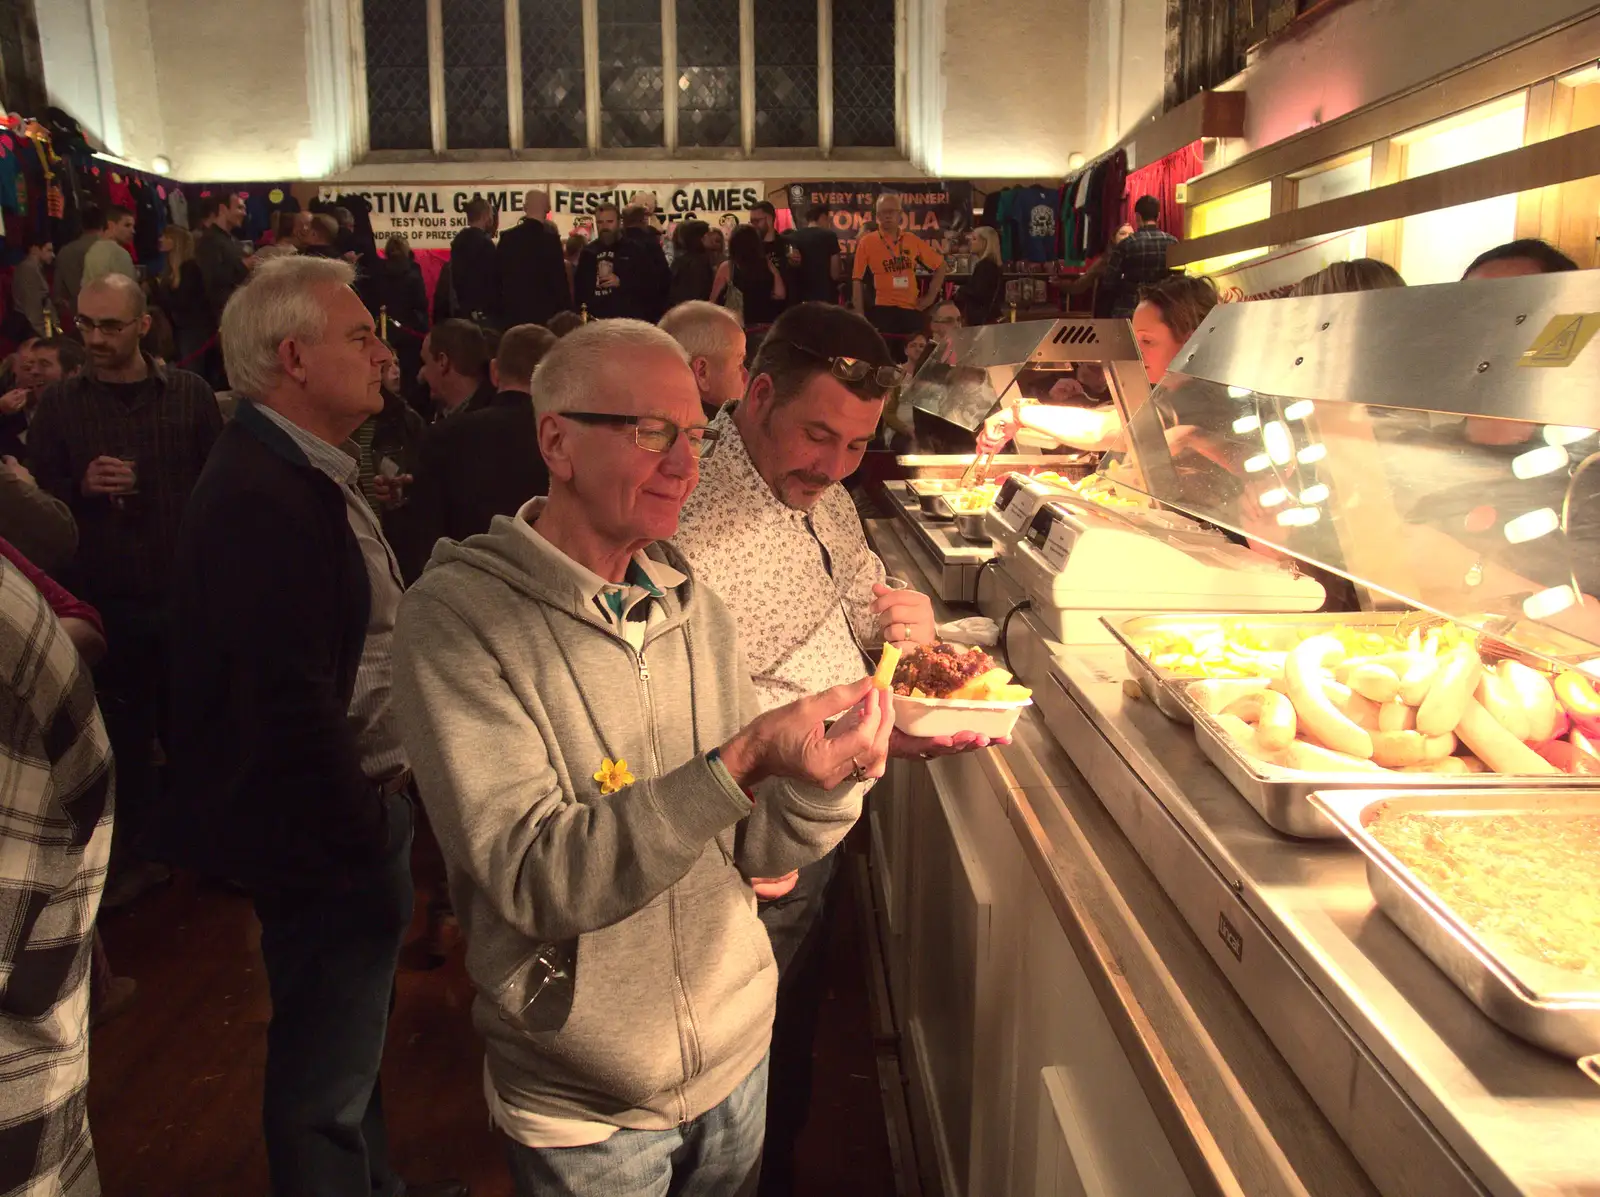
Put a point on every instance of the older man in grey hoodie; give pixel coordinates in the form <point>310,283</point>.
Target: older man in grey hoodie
<point>607,795</point>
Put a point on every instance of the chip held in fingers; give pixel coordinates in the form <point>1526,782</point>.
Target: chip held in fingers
<point>883,679</point>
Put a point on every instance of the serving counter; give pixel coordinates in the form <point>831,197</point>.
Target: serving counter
<point>1110,976</point>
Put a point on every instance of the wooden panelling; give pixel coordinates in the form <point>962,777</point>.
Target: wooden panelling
<point>1544,164</point>
<point>1209,114</point>
<point>1542,57</point>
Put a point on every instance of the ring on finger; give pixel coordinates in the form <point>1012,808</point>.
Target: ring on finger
<point>857,774</point>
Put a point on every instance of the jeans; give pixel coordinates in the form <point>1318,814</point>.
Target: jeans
<point>131,687</point>
<point>794,924</point>
<point>716,1155</point>
<point>330,957</point>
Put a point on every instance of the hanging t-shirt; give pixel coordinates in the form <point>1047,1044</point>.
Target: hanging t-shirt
<point>893,266</point>
<point>1036,218</point>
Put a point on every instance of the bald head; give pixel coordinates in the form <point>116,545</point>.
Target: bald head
<point>112,319</point>
<point>123,296</point>
<point>536,205</point>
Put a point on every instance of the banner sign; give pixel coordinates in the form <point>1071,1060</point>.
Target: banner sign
<point>429,216</point>
<point>932,208</point>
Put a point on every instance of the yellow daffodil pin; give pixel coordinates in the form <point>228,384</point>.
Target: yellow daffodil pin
<point>613,775</point>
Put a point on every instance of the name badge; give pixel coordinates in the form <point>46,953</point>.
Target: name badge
<point>901,282</point>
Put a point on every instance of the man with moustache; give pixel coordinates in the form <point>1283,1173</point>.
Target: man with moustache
<point>770,517</point>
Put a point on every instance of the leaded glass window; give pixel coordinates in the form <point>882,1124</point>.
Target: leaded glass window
<point>552,74</point>
<point>630,73</point>
<point>398,111</point>
<point>786,72</point>
<point>475,74</point>
<point>708,72</point>
<point>863,73</point>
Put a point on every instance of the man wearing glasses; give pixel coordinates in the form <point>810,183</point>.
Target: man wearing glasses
<point>123,444</point>
<point>608,795</point>
<point>773,532</point>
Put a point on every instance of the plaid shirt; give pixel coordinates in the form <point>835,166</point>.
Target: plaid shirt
<point>1140,259</point>
<point>125,552</point>
<point>55,839</point>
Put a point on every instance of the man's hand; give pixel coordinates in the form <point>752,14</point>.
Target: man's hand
<point>17,470</point>
<point>390,489</point>
<point>904,616</point>
<point>795,741</point>
<point>108,476</point>
<point>999,429</point>
<point>923,747</point>
<point>13,401</point>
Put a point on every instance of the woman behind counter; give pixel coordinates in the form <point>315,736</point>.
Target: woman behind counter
<point>1167,315</point>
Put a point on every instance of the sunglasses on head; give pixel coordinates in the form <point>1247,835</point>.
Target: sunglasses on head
<point>856,370</point>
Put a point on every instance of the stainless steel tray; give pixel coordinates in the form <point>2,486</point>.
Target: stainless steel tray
<point>971,526</point>
<point>953,465</point>
<point>1280,795</point>
<point>1561,1012</point>
<point>1159,688</point>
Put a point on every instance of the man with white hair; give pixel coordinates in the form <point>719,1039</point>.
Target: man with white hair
<point>587,741</point>
<point>123,444</point>
<point>713,338</point>
<point>533,267</point>
<point>288,774</point>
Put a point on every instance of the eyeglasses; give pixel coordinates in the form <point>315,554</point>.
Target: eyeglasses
<point>111,328</point>
<point>855,369</point>
<point>654,434</point>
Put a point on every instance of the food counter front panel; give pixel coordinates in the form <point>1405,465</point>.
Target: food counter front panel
<point>1429,1095</point>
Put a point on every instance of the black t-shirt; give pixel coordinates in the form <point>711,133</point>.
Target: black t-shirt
<point>817,249</point>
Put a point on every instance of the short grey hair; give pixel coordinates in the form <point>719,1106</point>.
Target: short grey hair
<point>277,303</point>
<point>565,378</point>
<point>701,328</point>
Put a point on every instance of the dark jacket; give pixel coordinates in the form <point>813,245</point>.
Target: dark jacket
<point>471,468</point>
<point>475,272</point>
<point>271,592</point>
<point>648,277</point>
<point>980,296</point>
<point>188,311</point>
<point>221,260</point>
<point>643,278</point>
<point>398,287</point>
<point>533,274</point>
<point>692,277</point>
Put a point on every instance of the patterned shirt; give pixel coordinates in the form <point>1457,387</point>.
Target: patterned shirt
<point>371,713</point>
<point>1140,259</point>
<point>789,576</point>
<point>167,428</point>
<point>55,839</point>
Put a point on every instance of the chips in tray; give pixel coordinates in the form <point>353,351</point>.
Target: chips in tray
<point>955,672</point>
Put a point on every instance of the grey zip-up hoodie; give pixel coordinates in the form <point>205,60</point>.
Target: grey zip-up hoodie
<point>510,690</point>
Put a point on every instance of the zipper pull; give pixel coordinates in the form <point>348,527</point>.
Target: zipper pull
<point>644,670</point>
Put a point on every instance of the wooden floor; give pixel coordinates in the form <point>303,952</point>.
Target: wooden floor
<point>175,1083</point>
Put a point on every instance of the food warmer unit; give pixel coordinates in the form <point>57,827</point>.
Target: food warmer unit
<point>962,383</point>
<point>1436,446</point>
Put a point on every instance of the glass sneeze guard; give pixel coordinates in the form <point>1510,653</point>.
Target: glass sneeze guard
<point>1434,444</point>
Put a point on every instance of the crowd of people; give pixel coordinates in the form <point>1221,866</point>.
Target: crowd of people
<point>522,598</point>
